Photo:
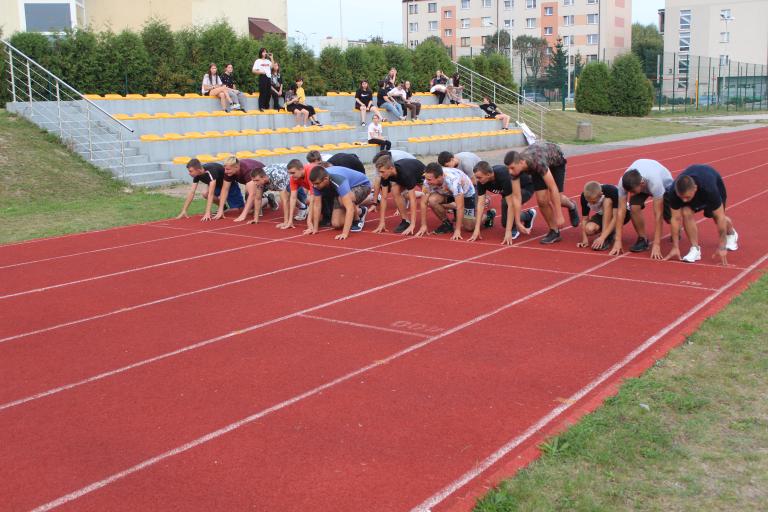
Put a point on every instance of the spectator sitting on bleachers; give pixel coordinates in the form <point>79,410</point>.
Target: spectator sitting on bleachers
<point>390,105</point>
<point>303,102</point>
<point>213,87</point>
<point>364,101</point>
<point>293,106</point>
<point>437,86</point>
<point>454,90</point>
<point>235,96</point>
<point>391,78</point>
<point>263,68</point>
<point>411,104</point>
<point>376,134</point>
<point>276,86</point>
<point>493,112</point>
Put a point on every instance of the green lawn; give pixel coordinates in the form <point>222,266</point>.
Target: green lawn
<point>45,190</point>
<point>690,434</point>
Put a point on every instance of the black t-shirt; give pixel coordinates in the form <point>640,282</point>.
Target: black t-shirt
<point>443,80</point>
<point>213,172</point>
<point>502,182</point>
<point>490,109</point>
<point>710,193</point>
<point>227,80</point>
<point>410,172</point>
<point>609,191</point>
<point>348,160</point>
<point>380,98</point>
<point>365,97</point>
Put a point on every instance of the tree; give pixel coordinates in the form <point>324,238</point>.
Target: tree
<point>76,59</point>
<point>557,69</point>
<point>375,63</point>
<point>630,92</point>
<point>400,58</point>
<point>122,59</point>
<point>500,39</point>
<point>500,71</point>
<point>337,75</point>
<point>428,57</point>
<point>578,64</point>
<point>532,51</point>
<point>647,44</point>
<point>355,57</point>
<point>592,92</point>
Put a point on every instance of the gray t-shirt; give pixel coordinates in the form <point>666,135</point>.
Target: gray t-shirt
<point>656,176</point>
<point>467,162</point>
<point>400,155</point>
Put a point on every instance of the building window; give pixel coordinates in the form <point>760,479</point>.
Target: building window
<point>414,43</point>
<point>548,11</point>
<point>724,60</point>
<point>447,15</point>
<point>486,21</point>
<point>547,31</point>
<point>567,2</point>
<point>507,23</point>
<point>413,8</point>
<point>530,22</point>
<point>484,40</point>
<point>465,4</point>
<point>593,38</point>
<point>568,20</point>
<point>592,57</point>
<point>448,32</point>
<point>567,40</point>
<point>47,17</point>
<point>725,14</point>
<point>725,37</point>
<point>591,2</point>
<point>530,4</point>
<point>685,19</point>
<point>413,27</point>
<point>685,41</point>
<point>464,22</point>
<point>549,51</point>
<point>509,4</point>
<point>487,3</point>
<point>432,7</point>
<point>465,42</point>
<point>432,25</point>
<point>592,19</point>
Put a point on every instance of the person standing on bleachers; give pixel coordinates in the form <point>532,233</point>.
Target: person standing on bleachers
<point>263,68</point>
<point>235,96</point>
<point>213,87</point>
<point>276,86</point>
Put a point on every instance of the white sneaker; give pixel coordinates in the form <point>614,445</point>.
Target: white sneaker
<point>302,214</point>
<point>693,255</point>
<point>732,241</point>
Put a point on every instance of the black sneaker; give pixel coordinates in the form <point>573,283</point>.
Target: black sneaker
<point>551,237</point>
<point>574,215</point>
<point>489,218</point>
<point>607,244</point>
<point>531,214</point>
<point>272,202</point>
<point>640,246</point>
<point>404,224</point>
<point>444,228</point>
<point>324,223</point>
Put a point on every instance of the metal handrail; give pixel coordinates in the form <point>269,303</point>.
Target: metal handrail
<point>517,96</point>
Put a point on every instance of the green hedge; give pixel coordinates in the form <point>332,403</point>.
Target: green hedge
<point>592,91</point>
<point>160,60</point>
<point>622,91</point>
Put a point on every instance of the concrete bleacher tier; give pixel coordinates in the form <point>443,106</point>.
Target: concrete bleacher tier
<point>170,129</point>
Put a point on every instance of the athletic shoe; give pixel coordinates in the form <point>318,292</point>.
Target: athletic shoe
<point>640,246</point>
<point>693,255</point>
<point>551,237</point>
<point>732,241</point>
<point>532,213</point>
<point>272,202</point>
<point>362,124</point>
<point>404,224</point>
<point>358,226</point>
<point>515,233</point>
<point>574,214</point>
<point>607,244</point>
<point>302,214</point>
<point>235,106</point>
<point>444,228</point>
<point>489,218</point>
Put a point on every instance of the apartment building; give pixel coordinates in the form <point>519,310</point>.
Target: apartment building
<point>54,16</point>
<point>596,29</point>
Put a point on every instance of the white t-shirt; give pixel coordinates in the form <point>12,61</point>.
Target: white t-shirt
<point>455,182</point>
<point>265,65</point>
<point>207,81</point>
<point>375,131</point>
<point>656,176</point>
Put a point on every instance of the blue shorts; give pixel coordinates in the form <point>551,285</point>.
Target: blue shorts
<point>234,197</point>
<point>301,194</point>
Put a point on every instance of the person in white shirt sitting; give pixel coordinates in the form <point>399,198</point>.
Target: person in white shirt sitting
<point>213,87</point>
<point>376,134</point>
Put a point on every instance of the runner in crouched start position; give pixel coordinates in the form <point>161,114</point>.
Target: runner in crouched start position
<point>401,177</point>
<point>698,188</point>
<point>272,178</point>
<point>211,174</point>
<point>348,190</point>
<point>496,179</point>
<point>443,186</point>
<point>602,201</point>
<point>545,162</point>
<point>239,171</point>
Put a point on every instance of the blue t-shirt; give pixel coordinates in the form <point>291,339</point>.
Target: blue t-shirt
<point>343,180</point>
<point>710,194</point>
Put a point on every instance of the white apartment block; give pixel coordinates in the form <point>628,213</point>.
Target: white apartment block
<point>596,29</point>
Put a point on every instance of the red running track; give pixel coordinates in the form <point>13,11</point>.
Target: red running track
<point>190,366</point>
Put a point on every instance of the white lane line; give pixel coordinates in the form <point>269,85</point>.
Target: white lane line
<point>314,391</point>
<point>366,326</point>
<point>481,467</point>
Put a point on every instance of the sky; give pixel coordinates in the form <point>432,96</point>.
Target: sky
<point>382,18</point>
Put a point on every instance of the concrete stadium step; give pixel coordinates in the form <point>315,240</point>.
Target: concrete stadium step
<point>202,123</point>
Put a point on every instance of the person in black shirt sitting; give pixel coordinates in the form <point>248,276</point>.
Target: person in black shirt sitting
<point>603,202</point>
<point>496,179</point>
<point>364,101</point>
<point>437,86</point>
<point>493,112</point>
<point>235,96</point>
<point>411,103</point>
<point>211,174</point>
<point>698,188</point>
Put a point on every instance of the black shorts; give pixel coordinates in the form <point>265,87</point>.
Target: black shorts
<point>525,194</point>
<point>642,197</point>
<point>470,204</point>
<point>558,173</point>
<point>598,219</point>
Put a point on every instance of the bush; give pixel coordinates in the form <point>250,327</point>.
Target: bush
<point>337,75</point>
<point>592,90</point>
<point>428,57</point>
<point>630,93</point>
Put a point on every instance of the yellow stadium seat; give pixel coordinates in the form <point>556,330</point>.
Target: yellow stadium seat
<point>245,154</point>
<point>249,131</point>
<point>93,97</point>
<point>218,113</point>
<point>181,160</point>
<point>154,96</point>
<point>266,131</point>
<point>193,135</point>
<point>232,133</point>
<point>332,93</point>
<point>267,152</point>
<point>283,130</point>
<point>182,114</point>
<point>173,95</point>
<point>134,97</point>
<point>206,158</point>
<point>192,95</point>
<point>162,115</point>
<point>212,133</point>
<point>121,116</point>
<point>298,149</point>
<point>151,137</point>
<point>315,147</point>
<point>223,156</point>
<point>201,113</point>
<point>329,146</point>
<point>344,145</point>
<point>173,136</point>
<point>114,97</point>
